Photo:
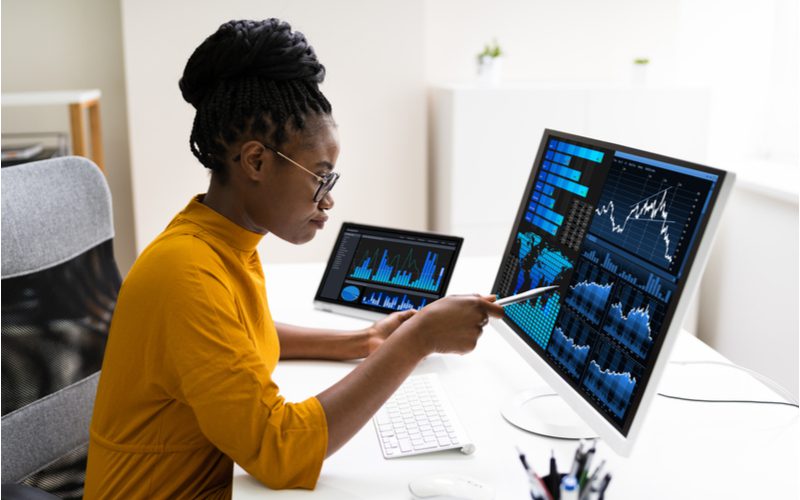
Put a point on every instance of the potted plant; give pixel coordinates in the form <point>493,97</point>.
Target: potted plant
<point>489,63</point>
<point>639,73</point>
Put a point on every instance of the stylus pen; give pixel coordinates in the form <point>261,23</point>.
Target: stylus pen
<point>553,478</point>
<point>577,461</point>
<point>587,463</point>
<point>537,487</point>
<point>604,486</point>
<point>592,481</point>
<point>513,299</point>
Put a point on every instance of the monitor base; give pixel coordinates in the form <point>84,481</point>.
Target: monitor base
<point>541,411</point>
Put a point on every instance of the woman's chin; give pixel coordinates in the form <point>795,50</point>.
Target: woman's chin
<point>302,237</point>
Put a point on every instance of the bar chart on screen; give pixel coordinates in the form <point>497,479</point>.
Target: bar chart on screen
<point>418,269</point>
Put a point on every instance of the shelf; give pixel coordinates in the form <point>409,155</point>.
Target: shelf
<point>78,101</point>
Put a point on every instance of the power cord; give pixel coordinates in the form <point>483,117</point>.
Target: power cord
<point>670,396</point>
<point>762,378</point>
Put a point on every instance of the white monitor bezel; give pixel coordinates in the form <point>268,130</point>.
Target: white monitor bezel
<point>619,442</point>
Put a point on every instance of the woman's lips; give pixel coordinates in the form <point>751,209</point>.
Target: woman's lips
<point>319,222</point>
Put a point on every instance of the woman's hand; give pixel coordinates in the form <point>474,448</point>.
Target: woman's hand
<point>381,330</point>
<point>454,323</point>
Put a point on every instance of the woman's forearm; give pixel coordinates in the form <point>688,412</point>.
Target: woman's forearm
<point>316,343</point>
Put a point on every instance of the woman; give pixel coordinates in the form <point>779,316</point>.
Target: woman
<point>186,385</point>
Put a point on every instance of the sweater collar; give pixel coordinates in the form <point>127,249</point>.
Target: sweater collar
<point>220,226</point>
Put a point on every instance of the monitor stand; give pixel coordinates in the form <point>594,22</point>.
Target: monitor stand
<point>542,411</point>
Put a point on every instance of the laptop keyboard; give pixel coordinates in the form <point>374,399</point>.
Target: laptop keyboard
<point>419,418</point>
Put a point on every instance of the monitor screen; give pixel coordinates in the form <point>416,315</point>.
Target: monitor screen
<point>383,270</point>
<point>618,230</point>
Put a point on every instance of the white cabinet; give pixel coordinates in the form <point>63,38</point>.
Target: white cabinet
<point>484,141</point>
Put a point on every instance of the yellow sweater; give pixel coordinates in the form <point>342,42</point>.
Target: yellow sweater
<point>186,385</point>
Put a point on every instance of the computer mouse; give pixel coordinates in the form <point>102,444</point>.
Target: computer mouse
<point>452,486</point>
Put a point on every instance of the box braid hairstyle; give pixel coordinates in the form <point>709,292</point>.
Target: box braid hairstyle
<point>250,78</point>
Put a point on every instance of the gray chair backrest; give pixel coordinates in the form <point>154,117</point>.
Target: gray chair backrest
<point>42,432</point>
<point>34,200</point>
<point>52,211</point>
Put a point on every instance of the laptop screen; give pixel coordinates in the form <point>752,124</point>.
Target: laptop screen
<point>385,270</point>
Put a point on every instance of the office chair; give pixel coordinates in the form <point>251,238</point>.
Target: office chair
<point>59,288</point>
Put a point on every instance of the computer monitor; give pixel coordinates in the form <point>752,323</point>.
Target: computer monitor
<point>374,271</point>
<point>626,234</point>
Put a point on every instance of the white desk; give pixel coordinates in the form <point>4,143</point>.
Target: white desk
<point>685,450</point>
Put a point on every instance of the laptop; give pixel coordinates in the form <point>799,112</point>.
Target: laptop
<point>374,271</point>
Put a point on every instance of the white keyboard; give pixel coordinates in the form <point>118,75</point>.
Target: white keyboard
<point>419,418</point>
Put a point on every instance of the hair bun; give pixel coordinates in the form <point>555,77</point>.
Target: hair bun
<point>267,49</point>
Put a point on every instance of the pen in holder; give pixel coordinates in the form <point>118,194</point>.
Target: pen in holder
<point>580,483</point>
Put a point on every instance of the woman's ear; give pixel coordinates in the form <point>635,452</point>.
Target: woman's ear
<point>252,159</point>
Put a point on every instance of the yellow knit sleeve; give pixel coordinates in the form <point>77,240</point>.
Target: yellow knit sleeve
<point>212,366</point>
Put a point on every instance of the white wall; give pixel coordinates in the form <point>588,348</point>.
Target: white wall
<point>571,40</point>
<point>746,52</point>
<point>750,289</point>
<point>375,82</point>
<point>56,45</point>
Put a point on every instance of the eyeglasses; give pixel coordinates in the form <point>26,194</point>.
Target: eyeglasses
<point>326,183</point>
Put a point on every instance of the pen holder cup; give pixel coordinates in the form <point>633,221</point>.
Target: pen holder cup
<point>555,488</point>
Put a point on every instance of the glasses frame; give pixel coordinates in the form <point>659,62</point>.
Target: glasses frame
<point>326,183</point>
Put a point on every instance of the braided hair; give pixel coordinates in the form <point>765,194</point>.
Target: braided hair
<point>250,77</point>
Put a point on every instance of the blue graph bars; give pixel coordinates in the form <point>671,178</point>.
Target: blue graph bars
<point>387,273</point>
<point>558,172</point>
<point>575,150</point>
<point>635,275</point>
<point>572,187</point>
<point>393,301</point>
<point>536,318</point>
<point>653,286</point>
<point>611,377</point>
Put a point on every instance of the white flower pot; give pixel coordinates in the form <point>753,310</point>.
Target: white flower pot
<point>489,69</point>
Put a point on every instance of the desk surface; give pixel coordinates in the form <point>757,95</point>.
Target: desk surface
<point>685,449</point>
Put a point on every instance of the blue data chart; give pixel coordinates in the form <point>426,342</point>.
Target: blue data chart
<point>566,168</point>
<point>393,301</point>
<point>633,319</point>
<point>636,275</point>
<point>589,292</point>
<point>350,293</point>
<point>536,317</point>
<point>379,265</point>
<point>570,343</point>
<point>540,264</point>
<point>651,214</point>
<point>611,378</point>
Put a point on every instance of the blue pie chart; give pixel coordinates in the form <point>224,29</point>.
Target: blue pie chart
<point>350,293</point>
